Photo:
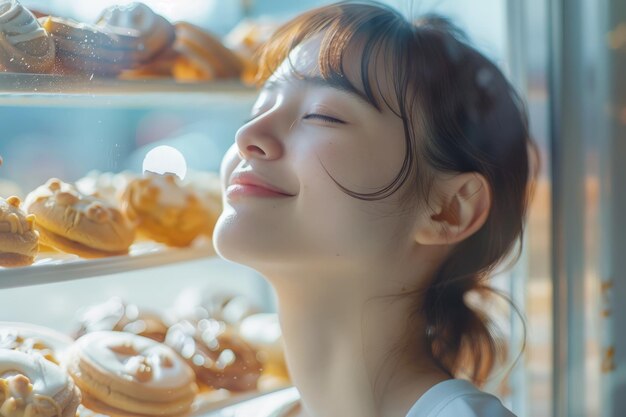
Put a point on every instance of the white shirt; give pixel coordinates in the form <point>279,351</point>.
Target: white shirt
<point>452,398</point>
<point>458,398</point>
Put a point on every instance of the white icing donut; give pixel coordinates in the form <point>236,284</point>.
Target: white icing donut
<point>29,338</point>
<point>135,358</point>
<point>31,386</point>
<point>47,378</point>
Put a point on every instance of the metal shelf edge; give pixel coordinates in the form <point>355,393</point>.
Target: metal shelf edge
<point>79,269</point>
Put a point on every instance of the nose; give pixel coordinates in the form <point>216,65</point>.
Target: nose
<point>258,139</point>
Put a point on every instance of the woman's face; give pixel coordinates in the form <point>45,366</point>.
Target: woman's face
<point>281,205</point>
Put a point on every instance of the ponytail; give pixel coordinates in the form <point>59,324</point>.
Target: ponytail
<point>459,336</point>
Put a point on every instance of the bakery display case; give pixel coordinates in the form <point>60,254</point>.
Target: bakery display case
<point>113,113</point>
<point>114,130</point>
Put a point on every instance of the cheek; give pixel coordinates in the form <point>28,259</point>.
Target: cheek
<point>364,164</point>
<point>337,224</point>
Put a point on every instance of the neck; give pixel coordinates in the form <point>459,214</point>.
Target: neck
<point>345,342</point>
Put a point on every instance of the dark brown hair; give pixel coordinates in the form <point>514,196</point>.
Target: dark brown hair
<point>460,114</point>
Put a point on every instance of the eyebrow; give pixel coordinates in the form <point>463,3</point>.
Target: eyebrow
<point>318,81</point>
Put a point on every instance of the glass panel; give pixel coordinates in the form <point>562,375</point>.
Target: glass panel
<point>538,293</point>
<point>609,222</point>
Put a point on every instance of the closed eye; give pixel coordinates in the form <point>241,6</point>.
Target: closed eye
<point>323,118</point>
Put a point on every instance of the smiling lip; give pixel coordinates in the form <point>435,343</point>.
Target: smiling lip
<point>252,186</point>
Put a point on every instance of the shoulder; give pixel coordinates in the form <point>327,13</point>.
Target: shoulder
<point>458,398</point>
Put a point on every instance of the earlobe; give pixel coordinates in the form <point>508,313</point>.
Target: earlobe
<point>460,210</point>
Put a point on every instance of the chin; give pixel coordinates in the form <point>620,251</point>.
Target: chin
<point>225,240</point>
<point>249,246</point>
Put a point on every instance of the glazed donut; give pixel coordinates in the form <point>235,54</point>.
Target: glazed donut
<point>152,32</point>
<point>29,338</point>
<point>19,242</point>
<point>24,45</point>
<point>231,309</point>
<point>31,386</point>
<point>262,331</point>
<point>115,315</point>
<point>164,210</point>
<point>219,357</point>
<point>203,56</point>
<point>74,223</point>
<point>131,373</point>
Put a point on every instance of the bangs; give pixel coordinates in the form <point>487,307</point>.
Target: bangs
<point>364,49</point>
<point>376,34</point>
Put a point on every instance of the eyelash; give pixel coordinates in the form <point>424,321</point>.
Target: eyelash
<point>309,116</point>
<point>323,117</point>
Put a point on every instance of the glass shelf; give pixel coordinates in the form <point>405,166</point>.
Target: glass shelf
<point>52,267</point>
<point>56,90</point>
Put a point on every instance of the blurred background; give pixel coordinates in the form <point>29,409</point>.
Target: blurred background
<point>566,58</point>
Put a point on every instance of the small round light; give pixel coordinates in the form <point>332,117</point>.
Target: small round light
<point>165,160</point>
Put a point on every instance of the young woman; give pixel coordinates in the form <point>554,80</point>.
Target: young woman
<point>382,177</point>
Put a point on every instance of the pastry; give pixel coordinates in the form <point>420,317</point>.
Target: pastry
<point>131,373</point>
<point>31,386</point>
<point>24,45</point>
<point>152,32</point>
<point>206,185</point>
<point>19,242</point>
<point>115,315</point>
<point>79,224</point>
<point>203,56</point>
<point>160,66</point>
<point>262,331</point>
<point>38,13</point>
<point>29,338</point>
<point>249,35</point>
<point>164,210</point>
<point>231,309</point>
<point>88,49</point>
<point>219,357</point>
<point>105,185</point>
<point>246,39</point>
<point>123,38</point>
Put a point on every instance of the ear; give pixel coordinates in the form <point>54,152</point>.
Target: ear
<point>459,207</point>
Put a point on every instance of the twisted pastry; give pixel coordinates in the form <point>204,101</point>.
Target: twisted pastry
<point>24,45</point>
